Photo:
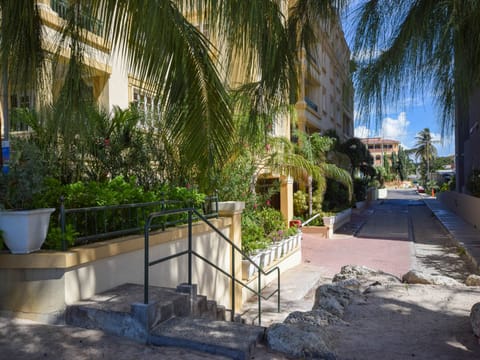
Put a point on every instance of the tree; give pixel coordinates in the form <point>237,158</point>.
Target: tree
<point>404,164</point>
<point>314,149</point>
<point>162,47</point>
<point>426,152</point>
<point>413,47</point>
<point>360,157</point>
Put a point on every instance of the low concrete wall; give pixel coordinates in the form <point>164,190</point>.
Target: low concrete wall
<point>466,206</point>
<point>40,285</point>
<point>291,260</point>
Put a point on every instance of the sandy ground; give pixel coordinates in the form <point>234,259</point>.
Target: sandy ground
<point>415,321</point>
<point>406,322</point>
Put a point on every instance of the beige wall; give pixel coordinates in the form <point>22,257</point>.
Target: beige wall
<point>40,285</point>
<point>466,206</point>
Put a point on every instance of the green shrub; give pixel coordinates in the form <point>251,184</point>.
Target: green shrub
<point>300,203</point>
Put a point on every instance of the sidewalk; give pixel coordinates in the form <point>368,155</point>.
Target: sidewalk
<point>461,232</point>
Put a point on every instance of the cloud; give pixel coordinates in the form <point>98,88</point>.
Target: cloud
<point>362,132</point>
<point>395,128</point>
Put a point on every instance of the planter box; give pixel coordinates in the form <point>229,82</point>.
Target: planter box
<point>25,231</point>
<point>336,221</point>
<point>382,193</point>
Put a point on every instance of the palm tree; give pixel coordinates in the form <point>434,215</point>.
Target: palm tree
<point>426,151</point>
<point>163,48</point>
<point>314,148</point>
<point>410,47</point>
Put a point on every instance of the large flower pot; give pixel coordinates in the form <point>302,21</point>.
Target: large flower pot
<point>25,231</point>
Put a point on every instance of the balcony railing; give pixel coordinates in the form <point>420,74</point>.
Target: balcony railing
<point>311,104</point>
<point>88,22</point>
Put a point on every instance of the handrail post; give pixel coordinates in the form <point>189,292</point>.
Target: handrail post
<point>189,247</point>
<point>146,263</point>
<point>233,283</point>
<point>63,223</point>
<point>278,287</point>
<point>259,296</point>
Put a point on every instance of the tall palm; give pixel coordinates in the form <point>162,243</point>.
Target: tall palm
<point>425,150</point>
<point>412,47</point>
<point>164,49</point>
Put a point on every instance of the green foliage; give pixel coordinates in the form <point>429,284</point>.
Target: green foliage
<point>25,180</point>
<point>360,189</point>
<point>253,236</point>
<point>300,203</point>
<point>262,227</point>
<point>54,237</point>
<point>336,197</point>
<point>272,221</point>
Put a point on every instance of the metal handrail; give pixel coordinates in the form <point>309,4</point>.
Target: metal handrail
<point>311,219</point>
<point>189,252</point>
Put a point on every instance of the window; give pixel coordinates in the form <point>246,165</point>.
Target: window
<point>147,105</point>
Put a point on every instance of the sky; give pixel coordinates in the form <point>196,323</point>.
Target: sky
<point>403,122</point>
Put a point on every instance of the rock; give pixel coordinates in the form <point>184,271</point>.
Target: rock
<point>352,284</point>
<point>319,317</point>
<point>364,275</point>
<point>299,341</point>
<point>333,298</point>
<point>352,272</point>
<point>418,277</point>
<point>473,280</point>
<point>475,319</point>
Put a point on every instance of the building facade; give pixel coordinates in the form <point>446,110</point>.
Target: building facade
<point>381,148</point>
<point>325,86</point>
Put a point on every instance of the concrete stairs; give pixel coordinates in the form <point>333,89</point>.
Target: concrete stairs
<point>174,317</point>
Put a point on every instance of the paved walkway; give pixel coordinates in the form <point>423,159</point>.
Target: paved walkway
<point>374,249</point>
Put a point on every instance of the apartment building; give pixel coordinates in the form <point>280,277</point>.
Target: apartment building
<point>325,86</point>
<point>381,148</point>
<point>326,89</point>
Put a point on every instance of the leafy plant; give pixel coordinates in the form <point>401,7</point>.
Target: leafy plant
<point>300,206</point>
<point>25,180</point>
<point>54,237</point>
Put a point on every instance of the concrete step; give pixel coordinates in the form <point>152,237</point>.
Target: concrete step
<point>231,339</point>
<point>120,311</point>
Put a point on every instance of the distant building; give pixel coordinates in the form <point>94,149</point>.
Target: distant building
<point>380,147</point>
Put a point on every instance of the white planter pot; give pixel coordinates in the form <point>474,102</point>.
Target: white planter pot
<point>277,250</point>
<point>25,231</point>
<point>297,240</point>
<point>265,258</point>
<point>248,269</point>
<point>328,220</point>
<point>284,243</point>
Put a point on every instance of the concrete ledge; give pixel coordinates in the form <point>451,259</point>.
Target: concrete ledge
<point>461,232</point>
<point>47,259</point>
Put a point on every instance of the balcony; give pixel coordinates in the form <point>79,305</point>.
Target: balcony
<point>311,104</point>
<point>88,22</point>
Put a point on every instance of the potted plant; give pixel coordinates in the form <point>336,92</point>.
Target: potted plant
<point>24,224</point>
